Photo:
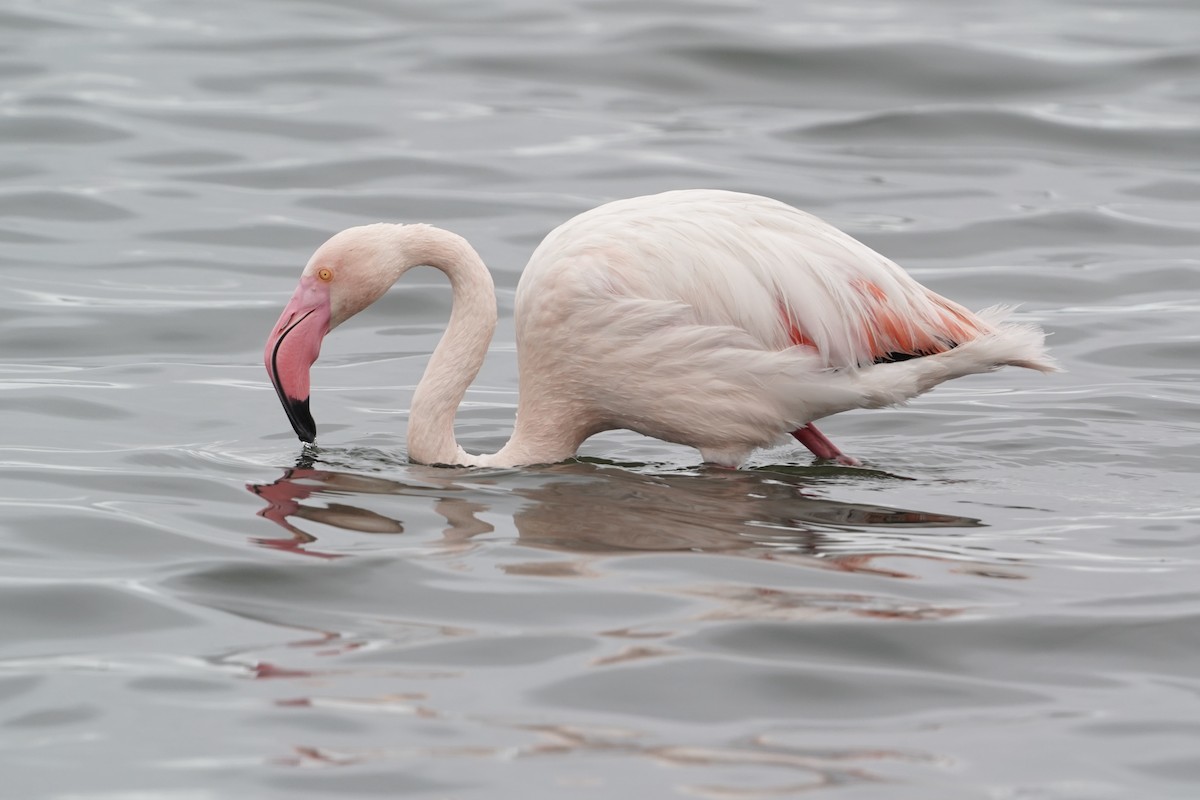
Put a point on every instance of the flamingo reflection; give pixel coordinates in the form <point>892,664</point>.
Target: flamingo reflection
<point>582,507</point>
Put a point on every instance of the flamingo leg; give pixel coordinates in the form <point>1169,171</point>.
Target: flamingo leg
<point>821,447</point>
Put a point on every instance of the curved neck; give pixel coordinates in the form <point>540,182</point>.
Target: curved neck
<point>459,355</point>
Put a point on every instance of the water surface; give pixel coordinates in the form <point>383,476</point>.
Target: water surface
<point>1001,604</point>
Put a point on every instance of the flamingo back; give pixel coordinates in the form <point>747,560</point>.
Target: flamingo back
<point>784,276</point>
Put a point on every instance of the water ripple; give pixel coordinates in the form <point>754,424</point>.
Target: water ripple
<point>53,129</point>
<point>342,173</point>
<point>60,205</point>
<point>247,122</point>
<point>1096,230</point>
<point>1017,133</point>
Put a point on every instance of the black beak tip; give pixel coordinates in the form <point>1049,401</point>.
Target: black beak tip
<point>301,419</point>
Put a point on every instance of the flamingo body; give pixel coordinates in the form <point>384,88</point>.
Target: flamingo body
<point>715,319</point>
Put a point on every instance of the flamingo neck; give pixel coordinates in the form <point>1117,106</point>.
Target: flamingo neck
<point>546,431</point>
<point>459,355</point>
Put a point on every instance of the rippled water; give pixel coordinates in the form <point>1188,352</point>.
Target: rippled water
<point>1002,605</point>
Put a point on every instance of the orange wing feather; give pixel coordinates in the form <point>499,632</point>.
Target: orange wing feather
<point>891,337</point>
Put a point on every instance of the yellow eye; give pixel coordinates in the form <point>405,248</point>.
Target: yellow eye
<point>325,274</point>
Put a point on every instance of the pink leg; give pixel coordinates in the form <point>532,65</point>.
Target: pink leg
<point>816,441</point>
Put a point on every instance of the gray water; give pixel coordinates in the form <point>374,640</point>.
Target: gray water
<point>1002,604</point>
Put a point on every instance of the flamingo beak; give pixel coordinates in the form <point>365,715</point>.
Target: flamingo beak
<point>293,346</point>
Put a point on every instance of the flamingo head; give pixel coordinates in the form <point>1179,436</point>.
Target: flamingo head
<point>345,275</point>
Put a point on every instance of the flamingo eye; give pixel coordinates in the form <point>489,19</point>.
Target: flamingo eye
<point>325,274</point>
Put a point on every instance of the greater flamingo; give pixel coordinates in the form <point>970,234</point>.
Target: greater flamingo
<point>715,319</point>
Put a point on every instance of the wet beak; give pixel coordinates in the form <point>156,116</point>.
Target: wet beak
<point>293,346</point>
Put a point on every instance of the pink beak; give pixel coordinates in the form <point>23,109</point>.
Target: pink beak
<point>293,346</point>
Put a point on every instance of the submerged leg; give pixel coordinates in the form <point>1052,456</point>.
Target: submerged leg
<point>816,441</point>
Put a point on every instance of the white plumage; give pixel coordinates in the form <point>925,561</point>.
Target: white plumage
<point>715,319</point>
